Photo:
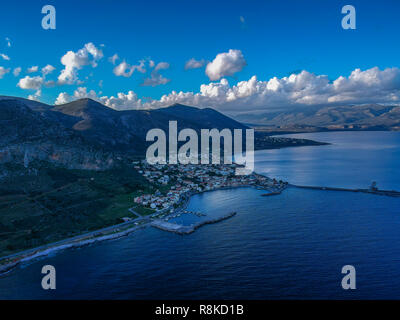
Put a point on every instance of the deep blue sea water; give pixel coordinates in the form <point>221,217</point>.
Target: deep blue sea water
<point>354,160</point>
<point>288,246</point>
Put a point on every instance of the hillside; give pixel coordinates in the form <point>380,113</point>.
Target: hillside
<point>85,134</point>
<point>125,131</point>
<point>69,169</point>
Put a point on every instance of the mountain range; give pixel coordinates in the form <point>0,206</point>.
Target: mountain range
<point>350,117</point>
<point>86,134</point>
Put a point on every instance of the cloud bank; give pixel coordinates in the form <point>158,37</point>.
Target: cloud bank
<point>303,89</point>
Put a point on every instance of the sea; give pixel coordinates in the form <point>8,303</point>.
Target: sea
<point>288,246</point>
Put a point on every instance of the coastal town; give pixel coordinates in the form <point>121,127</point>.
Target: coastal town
<point>175,185</point>
<point>177,182</point>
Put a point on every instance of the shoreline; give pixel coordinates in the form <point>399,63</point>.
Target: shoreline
<point>78,241</point>
<point>33,254</point>
<point>115,232</point>
<point>291,132</point>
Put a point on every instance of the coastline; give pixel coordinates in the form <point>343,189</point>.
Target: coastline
<point>10,262</point>
<point>75,242</point>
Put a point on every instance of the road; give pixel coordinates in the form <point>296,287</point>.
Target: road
<point>99,232</point>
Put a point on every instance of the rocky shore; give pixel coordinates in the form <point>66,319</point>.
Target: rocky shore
<point>8,264</point>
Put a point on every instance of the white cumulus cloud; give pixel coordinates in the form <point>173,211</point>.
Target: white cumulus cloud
<point>123,101</point>
<point>79,93</point>
<point>47,69</point>
<point>36,82</point>
<point>31,82</point>
<point>254,95</point>
<point>36,96</point>
<point>126,70</point>
<point>62,98</point>
<point>74,61</point>
<point>225,64</point>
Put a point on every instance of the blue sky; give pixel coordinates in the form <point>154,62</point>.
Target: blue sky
<point>274,39</point>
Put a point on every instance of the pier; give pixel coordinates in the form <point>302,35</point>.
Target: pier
<point>181,229</point>
<point>274,193</point>
<point>388,193</point>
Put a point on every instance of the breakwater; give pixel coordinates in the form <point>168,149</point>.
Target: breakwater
<point>389,193</point>
<point>181,229</point>
<point>275,193</point>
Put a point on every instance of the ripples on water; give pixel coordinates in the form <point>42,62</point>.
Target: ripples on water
<point>354,160</point>
<point>288,246</point>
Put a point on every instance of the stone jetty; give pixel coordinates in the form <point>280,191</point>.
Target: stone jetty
<point>181,229</point>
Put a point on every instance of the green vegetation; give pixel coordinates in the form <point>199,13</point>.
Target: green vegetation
<point>47,203</point>
<point>143,211</point>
